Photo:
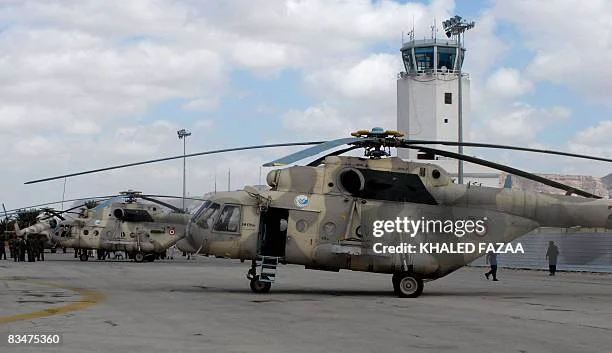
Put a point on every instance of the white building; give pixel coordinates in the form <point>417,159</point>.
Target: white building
<point>427,104</point>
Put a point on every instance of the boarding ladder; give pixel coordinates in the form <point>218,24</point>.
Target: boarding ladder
<point>267,268</point>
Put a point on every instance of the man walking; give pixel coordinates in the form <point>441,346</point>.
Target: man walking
<point>492,260</point>
<point>551,254</point>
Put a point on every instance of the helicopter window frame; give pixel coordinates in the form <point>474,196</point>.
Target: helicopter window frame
<point>206,219</point>
<point>218,220</point>
<point>201,209</point>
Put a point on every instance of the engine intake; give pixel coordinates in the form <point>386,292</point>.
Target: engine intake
<point>352,180</point>
<point>128,215</point>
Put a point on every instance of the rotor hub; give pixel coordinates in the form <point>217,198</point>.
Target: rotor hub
<point>377,142</point>
<point>130,195</point>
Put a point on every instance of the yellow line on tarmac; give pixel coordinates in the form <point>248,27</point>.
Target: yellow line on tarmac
<point>89,298</point>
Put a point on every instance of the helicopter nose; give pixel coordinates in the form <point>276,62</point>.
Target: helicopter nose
<point>197,236</point>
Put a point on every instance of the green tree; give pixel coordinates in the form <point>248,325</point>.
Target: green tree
<point>4,225</point>
<point>91,204</point>
<point>26,218</point>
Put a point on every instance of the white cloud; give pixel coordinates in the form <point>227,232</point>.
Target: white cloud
<point>522,123</point>
<point>322,120</point>
<point>204,124</point>
<point>484,47</point>
<point>83,127</point>
<point>201,104</point>
<point>372,78</point>
<point>508,83</point>
<point>594,140</point>
<point>252,54</point>
<point>570,41</point>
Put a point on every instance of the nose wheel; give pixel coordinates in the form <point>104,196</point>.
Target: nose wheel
<point>262,282</point>
<point>258,286</point>
<point>407,285</point>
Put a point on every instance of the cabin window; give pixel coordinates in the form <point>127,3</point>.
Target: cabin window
<point>207,217</point>
<point>229,221</point>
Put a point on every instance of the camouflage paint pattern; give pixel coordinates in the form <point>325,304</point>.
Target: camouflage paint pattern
<point>98,228</point>
<point>334,229</point>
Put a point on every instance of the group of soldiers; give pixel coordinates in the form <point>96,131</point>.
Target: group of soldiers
<point>23,247</point>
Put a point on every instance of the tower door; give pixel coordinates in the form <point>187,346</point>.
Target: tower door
<point>273,232</point>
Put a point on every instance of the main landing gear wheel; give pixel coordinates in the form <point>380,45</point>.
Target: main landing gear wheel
<point>84,256</point>
<point>139,257</point>
<point>258,286</point>
<point>406,285</point>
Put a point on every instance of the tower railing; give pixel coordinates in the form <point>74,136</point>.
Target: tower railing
<point>449,74</point>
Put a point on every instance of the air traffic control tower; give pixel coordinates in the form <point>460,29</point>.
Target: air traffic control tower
<point>427,103</point>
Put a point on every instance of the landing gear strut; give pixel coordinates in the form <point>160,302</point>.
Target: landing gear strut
<point>257,286</point>
<point>407,285</point>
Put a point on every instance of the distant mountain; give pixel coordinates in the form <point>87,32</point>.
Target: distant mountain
<point>587,183</point>
<point>607,180</point>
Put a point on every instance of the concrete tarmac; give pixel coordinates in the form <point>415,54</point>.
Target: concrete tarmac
<point>205,305</point>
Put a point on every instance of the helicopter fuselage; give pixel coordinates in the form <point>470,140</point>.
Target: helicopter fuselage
<point>342,215</point>
<point>126,227</point>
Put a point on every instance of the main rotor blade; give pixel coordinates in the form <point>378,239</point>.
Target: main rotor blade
<point>59,214</point>
<point>318,161</point>
<point>52,213</point>
<point>505,147</point>
<point>176,197</point>
<point>52,203</point>
<point>505,168</point>
<point>176,209</point>
<point>175,157</point>
<point>311,151</point>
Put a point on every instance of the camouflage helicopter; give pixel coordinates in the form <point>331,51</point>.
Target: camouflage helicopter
<point>122,223</point>
<point>326,215</point>
<point>43,229</point>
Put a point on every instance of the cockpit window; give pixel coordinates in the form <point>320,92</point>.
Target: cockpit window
<point>198,211</point>
<point>208,215</point>
<point>229,221</point>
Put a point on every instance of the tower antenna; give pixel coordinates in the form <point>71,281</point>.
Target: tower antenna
<point>434,29</point>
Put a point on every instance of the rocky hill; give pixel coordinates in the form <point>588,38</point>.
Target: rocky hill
<point>598,186</point>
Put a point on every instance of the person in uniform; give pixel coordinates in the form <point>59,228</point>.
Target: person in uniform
<point>30,249</point>
<point>492,260</point>
<point>22,249</point>
<point>41,247</point>
<point>2,246</point>
<point>11,245</point>
<point>551,254</point>
<point>13,248</point>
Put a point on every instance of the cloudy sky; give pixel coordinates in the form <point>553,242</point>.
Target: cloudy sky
<point>92,83</point>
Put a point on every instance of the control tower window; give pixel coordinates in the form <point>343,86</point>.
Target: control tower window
<point>424,58</point>
<point>407,56</point>
<point>448,98</point>
<point>446,58</point>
